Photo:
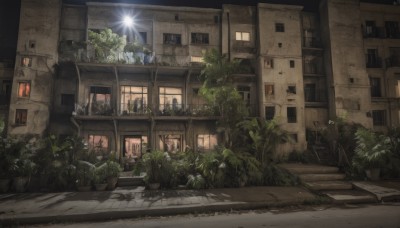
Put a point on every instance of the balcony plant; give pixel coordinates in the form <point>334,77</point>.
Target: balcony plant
<point>107,45</point>
<point>371,153</point>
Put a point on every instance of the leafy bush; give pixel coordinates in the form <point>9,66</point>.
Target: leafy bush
<point>107,45</point>
<point>159,169</point>
<point>273,175</point>
<point>196,182</point>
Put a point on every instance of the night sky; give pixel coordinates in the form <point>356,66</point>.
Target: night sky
<point>9,13</point>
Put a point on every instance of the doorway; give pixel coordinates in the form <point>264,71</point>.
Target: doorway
<point>134,146</point>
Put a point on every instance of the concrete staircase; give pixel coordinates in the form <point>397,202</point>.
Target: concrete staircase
<point>126,179</point>
<point>329,181</point>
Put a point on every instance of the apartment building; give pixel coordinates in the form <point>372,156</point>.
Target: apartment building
<point>302,68</point>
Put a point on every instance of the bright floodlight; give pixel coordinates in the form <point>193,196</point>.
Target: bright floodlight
<point>128,21</point>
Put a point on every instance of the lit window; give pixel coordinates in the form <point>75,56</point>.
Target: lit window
<point>207,142</point>
<point>26,61</point>
<point>134,146</point>
<point>170,38</point>
<point>170,99</point>
<point>133,99</point>
<point>243,36</point>
<point>100,100</point>
<point>21,116</point>
<point>200,38</point>
<point>98,144</point>
<point>269,89</point>
<point>170,143</point>
<point>24,89</point>
<point>279,27</point>
<point>196,59</point>
<point>291,115</point>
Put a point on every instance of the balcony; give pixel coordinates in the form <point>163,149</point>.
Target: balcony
<point>393,61</point>
<point>373,32</point>
<point>312,42</point>
<point>373,61</point>
<point>313,69</point>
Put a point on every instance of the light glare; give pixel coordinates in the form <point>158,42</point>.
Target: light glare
<point>128,21</point>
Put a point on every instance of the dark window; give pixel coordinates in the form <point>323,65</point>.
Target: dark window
<point>176,17</point>
<point>379,117</point>
<point>100,100</point>
<point>291,89</point>
<point>291,114</point>
<point>309,93</point>
<point>373,60</point>
<point>5,92</point>
<point>293,138</point>
<point>244,92</point>
<point>269,112</point>
<point>279,27</point>
<point>392,29</point>
<point>200,38</point>
<point>216,19</point>
<point>21,116</point>
<point>142,38</point>
<point>170,38</point>
<point>68,100</point>
<point>291,63</point>
<point>376,87</point>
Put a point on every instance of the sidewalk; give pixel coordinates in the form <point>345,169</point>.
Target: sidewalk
<point>135,202</point>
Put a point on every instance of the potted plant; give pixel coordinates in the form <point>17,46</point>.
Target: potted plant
<point>100,179</point>
<point>371,153</point>
<point>112,173</point>
<point>159,170</point>
<point>84,175</point>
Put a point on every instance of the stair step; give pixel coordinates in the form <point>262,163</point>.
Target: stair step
<point>322,177</point>
<point>328,185</point>
<point>309,169</point>
<point>130,181</point>
<point>350,196</point>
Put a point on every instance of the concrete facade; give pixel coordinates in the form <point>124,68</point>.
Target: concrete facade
<point>304,68</point>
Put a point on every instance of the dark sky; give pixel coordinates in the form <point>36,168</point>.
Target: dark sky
<point>9,13</point>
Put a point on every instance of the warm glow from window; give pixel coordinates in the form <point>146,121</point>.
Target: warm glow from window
<point>98,143</point>
<point>207,142</point>
<point>196,59</point>
<point>243,36</point>
<point>24,89</point>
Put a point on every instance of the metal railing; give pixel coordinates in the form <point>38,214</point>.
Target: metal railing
<point>373,32</point>
<point>392,61</point>
<point>373,62</point>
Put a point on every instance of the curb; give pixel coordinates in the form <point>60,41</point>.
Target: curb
<point>125,214</point>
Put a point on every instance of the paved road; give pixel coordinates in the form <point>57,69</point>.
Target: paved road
<point>346,216</point>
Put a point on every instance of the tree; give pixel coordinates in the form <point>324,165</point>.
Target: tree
<point>107,45</point>
<point>220,93</point>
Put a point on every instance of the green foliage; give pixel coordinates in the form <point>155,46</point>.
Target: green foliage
<point>107,45</point>
<point>393,167</point>
<point>196,182</point>
<point>22,164</point>
<point>273,175</point>
<point>159,169</point>
<point>372,150</point>
<point>220,93</point>
<point>113,168</point>
<point>263,137</point>
<point>85,173</point>
<point>211,167</point>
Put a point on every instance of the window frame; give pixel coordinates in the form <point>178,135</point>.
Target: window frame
<point>211,145</point>
<point>241,38</point>
<point>141,107</point>
<point>172,38</point>
<point>162,138</point>
<point>166,105</point>
<point>200,38</point>
<point>266,91</point>
<point>291,115</point>
<point>279,27</point>
<point>376,90</point>
<point>21,117</point>
<point>26,93</point>
<point>267,112</point>
<point>92,147</point>
<point>379,118</point>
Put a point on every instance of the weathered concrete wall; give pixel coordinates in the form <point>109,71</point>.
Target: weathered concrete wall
<point>37,39</point>
<point>156,21</point>
<point>277,49</point>
<point>345,61</point>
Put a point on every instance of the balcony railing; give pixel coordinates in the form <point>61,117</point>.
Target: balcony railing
<point>313,68</point>
<point>192,110</point>
<point>393,61</point>
<point>312,42</point>
<point>373,61</point>
<point>373,32</point>
<point>317,96</point>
